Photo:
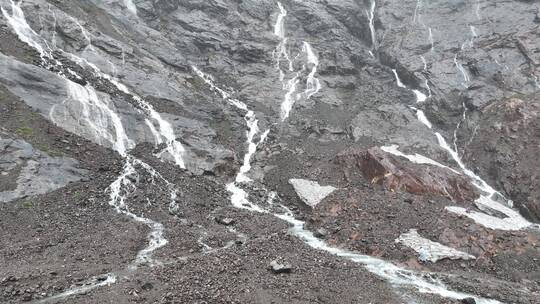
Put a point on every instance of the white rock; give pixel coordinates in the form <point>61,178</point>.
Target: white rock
<point>311,192</point>
<point>429,250</point>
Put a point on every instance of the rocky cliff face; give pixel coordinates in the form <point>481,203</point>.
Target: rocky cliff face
<point>147,149</point>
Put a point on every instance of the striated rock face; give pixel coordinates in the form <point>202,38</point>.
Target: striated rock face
<point>397,174</point>
<point>193,118</point>
<point>506,147</point>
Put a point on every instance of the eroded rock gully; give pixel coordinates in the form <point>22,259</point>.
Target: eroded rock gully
<point>146,149</point>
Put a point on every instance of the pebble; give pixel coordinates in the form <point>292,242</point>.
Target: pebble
<point>278,267</point>
<point>227,221</point>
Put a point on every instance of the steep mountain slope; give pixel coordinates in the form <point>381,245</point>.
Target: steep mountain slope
<point>254,151</point>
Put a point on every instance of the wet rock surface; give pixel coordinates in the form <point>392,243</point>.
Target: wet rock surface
<point>147,149</point>
<point>38,173</point>
<point>505,146</point>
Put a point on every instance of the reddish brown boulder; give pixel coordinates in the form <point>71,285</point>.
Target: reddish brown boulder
<point>398,174</point>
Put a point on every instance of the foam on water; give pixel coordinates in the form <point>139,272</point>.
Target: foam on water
<point>386,270</point>
<point>108,279</point>
<point>25,33</point>
<point>313,85</point>
<point>289,99</point>
<point>100,117</point>
<point>371,18</point>
<point>422,118</point>
<point>416,158</point>
<point>420,97</point>
<point>131,6</point>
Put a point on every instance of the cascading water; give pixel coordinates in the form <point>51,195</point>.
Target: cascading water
<point>420,97</point>
<point>25,33</point>
<point>477,10</point>
<point>313,85</point>
<point>100,117</point>
<point>131,6</point>
<point>164,133</point>
<point>238,195</point>
<point>431,40</point>
<point>488,197</point>
<point>416,158</point>
<point>388,271</point>
<point>371,17</point>
<point>110,130</point>
<point>281,49</point>
<point>289,99</point>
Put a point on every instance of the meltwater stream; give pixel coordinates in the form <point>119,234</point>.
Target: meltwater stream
<point>163,133</point>
<point>371,18</point>
<point>238,195</point>
<point>99,117</point>
<point>489,200</point>
<point>313,85</point>
<point>422,282</point>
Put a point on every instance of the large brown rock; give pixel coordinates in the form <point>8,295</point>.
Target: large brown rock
<point>399,174</point>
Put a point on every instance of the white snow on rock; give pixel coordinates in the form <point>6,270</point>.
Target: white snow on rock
<point>310,192</point>
<point>429,250</point>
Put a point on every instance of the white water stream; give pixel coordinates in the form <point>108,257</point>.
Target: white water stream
<point>131,6</point>
<point>420,97</point>
<point>100,117</point>
<point>281,49</point>
<point>386,270</point>
<point>416,158</point>
<point>238,195</point>
<point>490,198</point>
<point>123,185</point>
<point>371,18</point>
<point>313,85</point>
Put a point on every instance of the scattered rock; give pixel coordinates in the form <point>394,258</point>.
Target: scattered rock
<point>278,267</point>
<point>321,233</point>
<point>227,221</point>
